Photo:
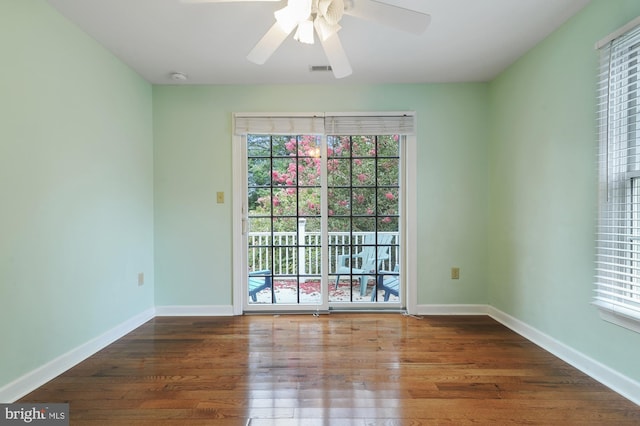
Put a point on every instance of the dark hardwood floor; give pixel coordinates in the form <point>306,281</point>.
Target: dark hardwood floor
<point>338,369</point>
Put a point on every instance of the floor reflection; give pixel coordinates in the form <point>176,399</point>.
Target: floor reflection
<point>332,370</point>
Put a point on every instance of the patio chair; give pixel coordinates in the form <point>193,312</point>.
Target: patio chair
<point>370,259</point>
<point>258,281</point>
<point>389,281</point>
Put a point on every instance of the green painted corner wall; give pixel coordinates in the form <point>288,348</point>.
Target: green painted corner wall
<point>542,189</point>
<point>76,189</point>
<point>192,128</point>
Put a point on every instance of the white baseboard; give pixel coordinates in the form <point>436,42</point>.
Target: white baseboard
<point>195,311</point>
<point>452,309</point>
<point>617,382</point>
<point>41,375</point>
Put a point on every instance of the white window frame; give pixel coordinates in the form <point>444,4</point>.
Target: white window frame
<point>617,278</point>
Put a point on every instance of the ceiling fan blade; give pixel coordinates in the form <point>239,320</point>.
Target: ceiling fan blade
<point>336,56</point>
<point>219,1</point>
<point>393,16</point>
<point>268,44</point>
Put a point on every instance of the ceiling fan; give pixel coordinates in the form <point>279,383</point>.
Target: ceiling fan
<point>323,16</point>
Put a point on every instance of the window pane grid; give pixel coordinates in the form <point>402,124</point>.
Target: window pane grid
<point>283,188</point>
<point>365,204</point>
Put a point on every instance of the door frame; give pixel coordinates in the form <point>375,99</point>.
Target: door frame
<point>409,231</point>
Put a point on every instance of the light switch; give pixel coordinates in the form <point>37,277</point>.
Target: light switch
<point>220,197</point>
<point>455,273</point>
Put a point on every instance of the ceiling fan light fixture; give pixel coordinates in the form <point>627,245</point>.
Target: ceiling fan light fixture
<point>300,8</point>
<point>293,14</point>
<point>286,18</point>
<point>304,34</point>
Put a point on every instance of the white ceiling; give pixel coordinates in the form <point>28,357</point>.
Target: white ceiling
<point>467,40</point>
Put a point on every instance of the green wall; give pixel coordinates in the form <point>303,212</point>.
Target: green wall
<point>543,189</point>
<point>76,189</point>
<point>192,127</point>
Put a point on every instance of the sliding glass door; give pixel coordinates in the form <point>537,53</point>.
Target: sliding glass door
<point>322,219</point>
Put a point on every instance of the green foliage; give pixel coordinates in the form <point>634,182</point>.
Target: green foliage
<point>362,176</point>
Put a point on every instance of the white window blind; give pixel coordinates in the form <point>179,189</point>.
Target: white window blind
<point>278,124</point>
<point>617,286</point>
<point>329,124</point>
<point>370,125</point>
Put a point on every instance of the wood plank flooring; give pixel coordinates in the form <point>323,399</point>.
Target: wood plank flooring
<point>337,369</point>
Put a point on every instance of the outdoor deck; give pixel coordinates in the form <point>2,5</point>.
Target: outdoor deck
<point>286,292</point>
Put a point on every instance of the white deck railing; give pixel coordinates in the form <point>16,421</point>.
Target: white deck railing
<point>290,249</point>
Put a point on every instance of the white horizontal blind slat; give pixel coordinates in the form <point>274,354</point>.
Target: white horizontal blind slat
<point>629,294</point>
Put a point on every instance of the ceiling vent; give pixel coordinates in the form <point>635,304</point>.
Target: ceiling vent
<point>320,68</point>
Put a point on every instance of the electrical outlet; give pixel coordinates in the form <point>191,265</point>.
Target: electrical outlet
<point>455,273</point>
<point>141,278</point>
<point>220,197</point>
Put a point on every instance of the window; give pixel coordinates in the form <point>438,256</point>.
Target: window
<point>618,239</point>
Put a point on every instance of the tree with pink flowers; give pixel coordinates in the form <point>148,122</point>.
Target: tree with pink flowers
<point>362,182</point>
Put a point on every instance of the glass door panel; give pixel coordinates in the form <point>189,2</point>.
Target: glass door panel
<point>284,221</point>
<point>363,186</point>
